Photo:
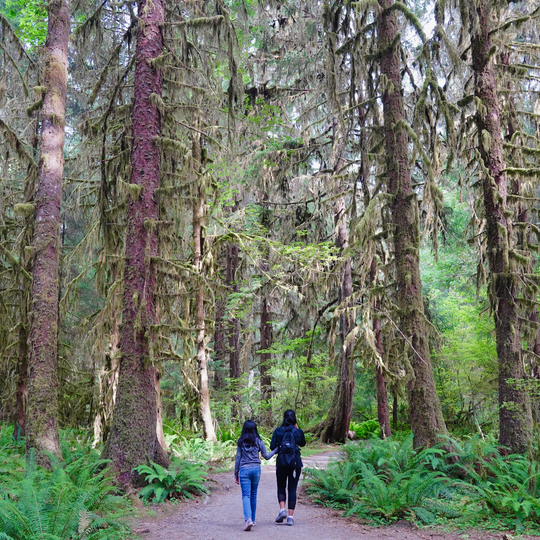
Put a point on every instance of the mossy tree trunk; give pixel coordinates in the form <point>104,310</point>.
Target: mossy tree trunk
<point>107,382</point>
<point>514,403</point>
<point>25,259</point>
<point>427,421</point>
<point>267,334</point>
<point>42,414</point>
<point>383,414</point>
<point>220,346</point>
<point>233,331</point>
<point>199,214</point>
<point>336,426</point>
<point>133,440</point>
<point>337,423</point>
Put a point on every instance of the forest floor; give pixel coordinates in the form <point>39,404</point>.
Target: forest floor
<point>218,516</point>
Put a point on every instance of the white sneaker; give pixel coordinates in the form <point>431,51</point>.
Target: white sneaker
<point>290,520</point>
<point>248,525</point>
<point>281,516</point>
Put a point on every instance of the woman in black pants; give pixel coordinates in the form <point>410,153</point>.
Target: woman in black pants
<point>288,468</point>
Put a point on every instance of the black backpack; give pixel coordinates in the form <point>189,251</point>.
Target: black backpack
<point>288,449</point>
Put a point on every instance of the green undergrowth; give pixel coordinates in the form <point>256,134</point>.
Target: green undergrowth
<point>75,500</point>
<point>181,480</point>
<point>474,486</point>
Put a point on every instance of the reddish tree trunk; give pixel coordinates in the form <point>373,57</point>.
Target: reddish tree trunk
<point>427,421</point>
<point>133,440</point>
<point>42,414</point>
<point>514,403</point>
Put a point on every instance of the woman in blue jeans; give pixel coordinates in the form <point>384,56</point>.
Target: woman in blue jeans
<point>247,469</point>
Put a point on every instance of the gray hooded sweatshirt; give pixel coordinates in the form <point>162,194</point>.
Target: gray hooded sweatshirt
<point>248,456</point>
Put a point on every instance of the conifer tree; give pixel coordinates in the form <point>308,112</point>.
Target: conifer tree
<point>514,403</point>
<point>133,439</point>
<point>427,421</point>
<point>42,415</point>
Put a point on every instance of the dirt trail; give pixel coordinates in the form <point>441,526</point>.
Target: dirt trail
<point>219,517</point>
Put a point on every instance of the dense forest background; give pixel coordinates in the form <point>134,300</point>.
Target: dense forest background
<point>329,206</point>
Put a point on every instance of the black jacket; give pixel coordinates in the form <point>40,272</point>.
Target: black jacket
<point>277,437</point>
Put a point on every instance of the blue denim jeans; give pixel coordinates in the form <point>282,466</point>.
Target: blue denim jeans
<point>249,482</point>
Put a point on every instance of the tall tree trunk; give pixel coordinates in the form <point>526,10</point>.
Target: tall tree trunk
<point>220,346</point>
<point>108,381</point>
<point>337,423</point>
<point>266,332</point>
<point>159,414</point>
<point>198,246</point>
<point>133,440</point>
<point>22,378</point>
<point>427,421</point>
<point>23,281</point>
<point>42,415</point>
<point>514,403</point>
<point>233,331</point>
<point>383,414</point>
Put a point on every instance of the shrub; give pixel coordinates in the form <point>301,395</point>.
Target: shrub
<point>366,430</point>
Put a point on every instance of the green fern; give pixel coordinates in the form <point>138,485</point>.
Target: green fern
<point>51,505</point>
<point>335,486</point>
<point>183,480</point>
<point>412,494</point>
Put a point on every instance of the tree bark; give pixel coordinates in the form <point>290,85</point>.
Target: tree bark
<point>198,243</point>
<point>42,415</point>
<point>427,421</point>
<point>233,331</point>
<point>337,423</point>
<point>266,332</point>
<point>19,429</point>
<point>133,440</point>
<point>514,403</point>
<point>383,414</point>
<point>108,383</point>
<point>220,346</point>
<point>336,426</point>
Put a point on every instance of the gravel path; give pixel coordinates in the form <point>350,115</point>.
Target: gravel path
<point>219,517</point>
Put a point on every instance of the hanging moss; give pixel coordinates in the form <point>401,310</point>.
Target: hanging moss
<point>134,191</point>
<point>411,17</point>
<point>24,209</point>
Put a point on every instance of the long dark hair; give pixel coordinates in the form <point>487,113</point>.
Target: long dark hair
<point>289,418</point>
<point>249,434</point>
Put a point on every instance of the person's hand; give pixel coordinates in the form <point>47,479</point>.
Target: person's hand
<point>237,481</point>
